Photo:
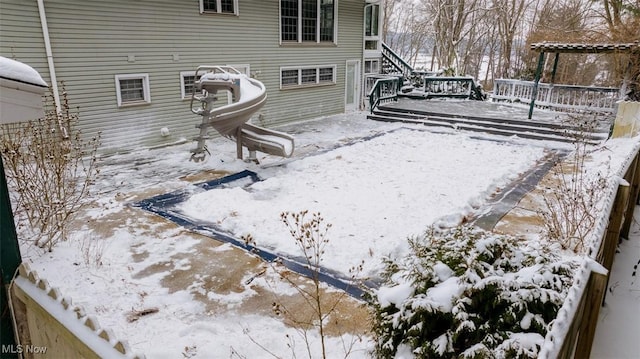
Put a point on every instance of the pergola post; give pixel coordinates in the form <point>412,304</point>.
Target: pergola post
<point>534,94</point>
<point>555,68</point>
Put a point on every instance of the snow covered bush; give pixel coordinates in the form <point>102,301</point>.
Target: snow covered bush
<point>465,292</point>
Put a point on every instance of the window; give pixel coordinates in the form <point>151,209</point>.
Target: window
<point>289,77</point>
<point>372,66</point>
<point>219,7</point>
<point>187,81</point>
<point>132,89</point>
<point>371,16</point>
<point>326,74</point>
<point>307,76</point>
<point>307,20</point>
<point>371,27</point>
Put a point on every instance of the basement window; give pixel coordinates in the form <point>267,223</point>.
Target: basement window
<point>187,81</point>
<point>219,7</point>
<point>132,89</point>
<point>291,77</point>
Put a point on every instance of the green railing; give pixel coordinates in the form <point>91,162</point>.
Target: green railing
<point>396,61</point>
<point>384,89</point>
<point>452,87</point>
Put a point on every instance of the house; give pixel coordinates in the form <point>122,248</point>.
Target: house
<point>128,66</point>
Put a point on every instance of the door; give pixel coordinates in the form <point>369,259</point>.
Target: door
<point>352,85</point>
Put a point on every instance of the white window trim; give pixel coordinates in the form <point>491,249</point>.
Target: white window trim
<point>317,82</point>
<point>246,67</point>
<point>145,89</point>
<point>299,41</point>
<point>376,38</point>
<point>372,60</point>
<point>236,12</point>
<point>182,76</point>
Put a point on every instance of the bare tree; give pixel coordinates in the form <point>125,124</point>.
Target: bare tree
<point>508,15</point>
<point>451,24</point>
<point>406,29</point>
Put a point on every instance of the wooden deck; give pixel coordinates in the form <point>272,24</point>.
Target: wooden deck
<point>494,118</point>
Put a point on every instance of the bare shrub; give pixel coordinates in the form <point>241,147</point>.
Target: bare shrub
<point>310,235</point>
<point>92,250</point>
<point>49,168</point>
<point>570,206</point>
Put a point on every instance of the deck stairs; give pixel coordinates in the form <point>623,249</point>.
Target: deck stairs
<point>526,129</point>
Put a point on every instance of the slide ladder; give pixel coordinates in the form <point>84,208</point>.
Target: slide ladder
<point>247,96</point>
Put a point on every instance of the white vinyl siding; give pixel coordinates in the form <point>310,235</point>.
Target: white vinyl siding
<point>307,76</point>
<point>93,44</point>
<point>132,89</point>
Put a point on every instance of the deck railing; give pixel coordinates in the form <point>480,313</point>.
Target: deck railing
<point>395,61</point>
<point>564,98</point>
<point>452,87</point>
<point>383,89</point>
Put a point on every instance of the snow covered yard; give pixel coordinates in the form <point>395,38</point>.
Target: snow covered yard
<point>375,192</point>
<point>214,300</point>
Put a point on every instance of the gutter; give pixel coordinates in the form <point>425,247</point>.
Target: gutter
<point>52,68</point>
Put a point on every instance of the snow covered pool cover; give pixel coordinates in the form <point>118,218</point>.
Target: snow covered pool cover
<point>375,192</point>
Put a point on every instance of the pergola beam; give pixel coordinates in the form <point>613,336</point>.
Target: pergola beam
<point>579,48</point>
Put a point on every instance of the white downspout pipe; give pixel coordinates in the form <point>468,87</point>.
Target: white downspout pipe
<point>52,68</point>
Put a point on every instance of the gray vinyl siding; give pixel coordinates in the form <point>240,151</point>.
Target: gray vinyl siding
<point>21,35</point>
<point>92,42</point>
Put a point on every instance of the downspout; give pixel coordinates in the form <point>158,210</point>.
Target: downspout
<point>52,68</point>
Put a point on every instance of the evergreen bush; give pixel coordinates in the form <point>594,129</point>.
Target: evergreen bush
<point>468,293</point>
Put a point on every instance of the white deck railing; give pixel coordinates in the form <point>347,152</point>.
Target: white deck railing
<point>564,98</point>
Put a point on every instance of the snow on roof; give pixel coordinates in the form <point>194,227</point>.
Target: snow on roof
<point>17,71</point>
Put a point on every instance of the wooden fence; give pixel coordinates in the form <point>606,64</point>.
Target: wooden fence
<point>572,334</point>
<point>48,325</point>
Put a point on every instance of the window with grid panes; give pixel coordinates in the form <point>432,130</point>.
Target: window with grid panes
<point>289,77</point>
<point>307,20</point>
<point>219,6</point>
<point>187,80</point>
<point>289,20</point>
<point>132,89</point>
<point>326,74</point>
<point>308,76</point>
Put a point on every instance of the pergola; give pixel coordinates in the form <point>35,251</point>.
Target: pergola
<point>573,48</point>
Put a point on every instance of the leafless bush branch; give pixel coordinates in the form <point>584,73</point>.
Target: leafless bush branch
<point>50,168</point>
